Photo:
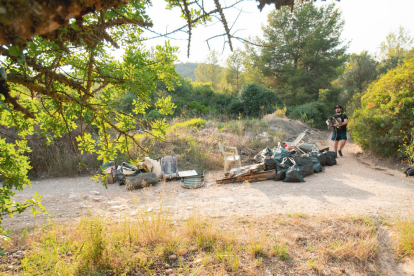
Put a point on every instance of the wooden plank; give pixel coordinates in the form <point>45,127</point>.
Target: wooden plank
<point>261,176</point>
<point>246,170</point>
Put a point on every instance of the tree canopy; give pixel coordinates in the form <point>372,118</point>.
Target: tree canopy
<point>309,50</point>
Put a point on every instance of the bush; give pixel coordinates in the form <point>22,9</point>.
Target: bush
<point>314,113</point>
<point>196,108</point>
<point>258,101</point>
<point>386,113</point>
<point>154,114</point>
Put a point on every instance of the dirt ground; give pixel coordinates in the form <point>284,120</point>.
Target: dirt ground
<point>356,186</point>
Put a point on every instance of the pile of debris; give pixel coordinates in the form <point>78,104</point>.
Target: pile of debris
<point>282,164</point>
<point>148,173</point>
<point>290,163</point>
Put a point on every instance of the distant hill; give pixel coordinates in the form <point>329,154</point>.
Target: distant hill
<point>186,70</point>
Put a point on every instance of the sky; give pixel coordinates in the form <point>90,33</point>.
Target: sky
<point>367,23</point>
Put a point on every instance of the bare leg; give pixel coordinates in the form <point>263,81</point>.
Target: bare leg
<point>342,145</point>
<point>335,146</point>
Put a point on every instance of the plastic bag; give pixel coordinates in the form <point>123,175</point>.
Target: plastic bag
<point>270,164</point>
<point>321,159</point>
<point>281,169</point>
<point>317,167</point>
<point>279,153</point>
<point>330,161</point>
<point>305,164</point>
<point>294,173</point>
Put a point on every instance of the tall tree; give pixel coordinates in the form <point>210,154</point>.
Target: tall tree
<point>303,50</point>
<point>233,72</point>
<point>394,49</point>
<point>359,71</point>
<point>210,70</point>
<point>251,70</point>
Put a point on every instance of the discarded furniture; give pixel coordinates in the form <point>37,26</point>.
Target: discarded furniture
<point>230,154</point>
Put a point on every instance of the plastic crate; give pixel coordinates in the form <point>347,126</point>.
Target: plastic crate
<point>193,182</point>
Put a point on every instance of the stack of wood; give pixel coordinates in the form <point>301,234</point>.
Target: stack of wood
<point>251,173</point>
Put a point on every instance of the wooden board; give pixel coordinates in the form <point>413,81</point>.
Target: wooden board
<point>246,170</point>
<point>261,176</point>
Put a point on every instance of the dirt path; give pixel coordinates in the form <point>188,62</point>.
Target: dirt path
<point>353,187</point>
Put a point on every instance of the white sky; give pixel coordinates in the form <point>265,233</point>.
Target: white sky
<point>367,22</point>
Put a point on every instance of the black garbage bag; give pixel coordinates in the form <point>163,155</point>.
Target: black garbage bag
<point>305,164</point>
<point>281,168</point>
<point>279,153</point>
<point>331,154</point>
<point>321,158</point>
<point>317,167</point>
<point>270,164</point>
<point>330,161</point>
<point>294,174</point>
<point>409,172</point>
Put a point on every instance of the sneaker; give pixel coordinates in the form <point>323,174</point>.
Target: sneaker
<point>340,153</point>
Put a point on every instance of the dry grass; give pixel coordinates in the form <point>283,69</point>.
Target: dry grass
<point>152,243</point>
<point>194,142</point>
<point>405,231</point>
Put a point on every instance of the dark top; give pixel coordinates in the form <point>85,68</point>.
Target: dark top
<point>341,118</point>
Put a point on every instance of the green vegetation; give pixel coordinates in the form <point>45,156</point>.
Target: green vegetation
<point>68,104</point>
<point>193,123</point>
<point>385,116</point>
<point>304,61</point>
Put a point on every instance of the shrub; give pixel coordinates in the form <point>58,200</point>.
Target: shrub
<point>195,107</point>
<point>314,113</point>
<point>258,101</point>
<point>154,114</point>
<point>386,112</point>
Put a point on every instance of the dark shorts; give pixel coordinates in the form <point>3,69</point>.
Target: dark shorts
<point>339,136</point>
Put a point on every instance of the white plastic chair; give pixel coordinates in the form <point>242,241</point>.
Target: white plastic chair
<point>229,156</point>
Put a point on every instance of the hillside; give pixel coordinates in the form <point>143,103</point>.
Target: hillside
<point>337,222</point>
<point>186,70</point>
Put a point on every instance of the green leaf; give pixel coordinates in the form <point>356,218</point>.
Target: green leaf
<point>75,26</point>
<point>4,106</point>
<point>3,74</point>
<point>14,51</point>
